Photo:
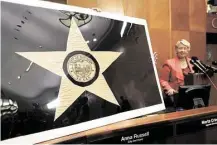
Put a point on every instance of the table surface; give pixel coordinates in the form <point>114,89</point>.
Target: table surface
<point>150,119</point>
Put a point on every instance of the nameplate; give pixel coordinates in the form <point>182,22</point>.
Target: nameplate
<point>143,134</point>
<point>196,124</point>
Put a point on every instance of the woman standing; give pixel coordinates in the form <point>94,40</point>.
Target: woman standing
<point>174,70</point>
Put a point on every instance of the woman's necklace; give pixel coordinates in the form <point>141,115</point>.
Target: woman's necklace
<point>183,63</point>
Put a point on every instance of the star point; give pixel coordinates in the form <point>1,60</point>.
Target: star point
<point>67,96</point>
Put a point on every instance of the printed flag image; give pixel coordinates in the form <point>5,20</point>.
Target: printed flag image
<point>66,69</point>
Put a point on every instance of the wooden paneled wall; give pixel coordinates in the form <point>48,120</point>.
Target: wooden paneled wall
<point>188,19</point>
<point>168,21</point>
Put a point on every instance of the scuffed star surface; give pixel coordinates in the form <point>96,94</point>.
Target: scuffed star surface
<point>69,92</point>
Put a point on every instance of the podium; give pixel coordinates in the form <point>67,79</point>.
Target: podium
<point>200,79</point>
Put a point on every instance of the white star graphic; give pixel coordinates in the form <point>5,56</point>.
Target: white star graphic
<point>69,92</point>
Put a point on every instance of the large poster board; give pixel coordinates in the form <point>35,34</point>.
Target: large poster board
<point>66,69</point>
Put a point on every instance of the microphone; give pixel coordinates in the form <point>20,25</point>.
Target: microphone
<point>199,63</point>
<point>206,68</point>
<point>196,65</point>
<point>214,69</point>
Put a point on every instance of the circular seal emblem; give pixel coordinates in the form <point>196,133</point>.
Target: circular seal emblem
<point>81,68</point>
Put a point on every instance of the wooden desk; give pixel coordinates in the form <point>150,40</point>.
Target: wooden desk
<point>137,122</point>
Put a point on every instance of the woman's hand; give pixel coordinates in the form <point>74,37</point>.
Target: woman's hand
<point>171,92</point>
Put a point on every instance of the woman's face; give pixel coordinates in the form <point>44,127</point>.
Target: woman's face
<point>182,51</point>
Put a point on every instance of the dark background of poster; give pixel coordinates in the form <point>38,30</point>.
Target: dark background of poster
<point>26,28</point>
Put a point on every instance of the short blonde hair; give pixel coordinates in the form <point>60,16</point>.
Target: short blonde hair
<point>183,42</point>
